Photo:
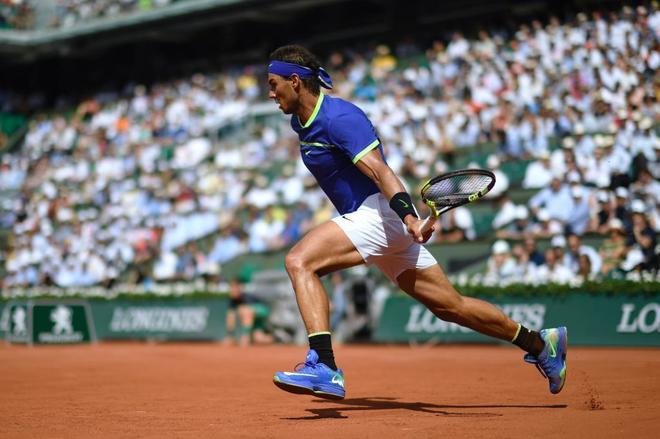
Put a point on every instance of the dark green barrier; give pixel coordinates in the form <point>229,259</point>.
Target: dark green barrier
<point>65,321</point>
<point>46,321</point>
<point>169,319</point>
<point>14,322</point>
<point>61,322</point>
<point>626,320</point>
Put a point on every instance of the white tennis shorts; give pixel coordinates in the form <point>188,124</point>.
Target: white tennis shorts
<point>382,239</point>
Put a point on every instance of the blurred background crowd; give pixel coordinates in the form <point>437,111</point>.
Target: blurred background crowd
<point>20,14</point>
<point>171,181</point>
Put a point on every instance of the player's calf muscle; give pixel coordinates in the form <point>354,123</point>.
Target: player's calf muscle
<point>432,288</point>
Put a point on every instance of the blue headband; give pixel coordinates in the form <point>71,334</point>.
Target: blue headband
<point>287,69</point>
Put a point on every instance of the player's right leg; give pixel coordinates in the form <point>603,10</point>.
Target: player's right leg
<point>323,250</point>
<point>432,288</point>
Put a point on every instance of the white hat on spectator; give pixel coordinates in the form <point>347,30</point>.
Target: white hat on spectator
<point>633,259</point>
<point>599,140</point>
<point>543,215</point>
<point>645,123</point>
<point>603,196</point>
<point>622,114</point>
<point>493,162</point>
<point>521,213</point>
<point>544,155</point>
<point>558,241</point>
<point>638,206</point>
<point>578,129</point>
<point>572,177</point>
<point>501,247</point>
<point>621,192</point>
<point>577,191</point>
<point>612,128</point>
<point>656,143</point>
<point>615,223</point>
<point>608,141</point>
<point>440,167</point>
<point>568,143</point>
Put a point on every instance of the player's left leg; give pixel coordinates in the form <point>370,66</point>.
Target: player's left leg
<point>432,288</point>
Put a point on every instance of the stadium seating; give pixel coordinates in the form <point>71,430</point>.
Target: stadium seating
<point>196,175</point>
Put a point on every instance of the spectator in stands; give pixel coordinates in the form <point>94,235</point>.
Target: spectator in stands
<point>602,214</point>
<point>576,250</point>
<point>501,267</point>
<point>520,228</point>
<point>526,269</point>
<point>246,317</point>
<point>621,208</point>
<point>580,213</point>
<point>585,271</point>
<point>545,227</point>
<point>644,236</point>
<point>560,157</point>
<point>556,200</point>
<point>558,246</point>
<point>553,271</point>
<point>506,212</point>
<point>501,179</point>
<point>539,173</point>
<point>613,250</point>
<point>598,168</point>
<point>534,254</point>
<point>456,225</point>
<point>646,188</point>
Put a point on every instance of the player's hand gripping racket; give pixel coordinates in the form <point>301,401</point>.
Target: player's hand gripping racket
<point>454,189</point>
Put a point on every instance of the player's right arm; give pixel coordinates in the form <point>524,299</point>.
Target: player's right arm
<point>355,135</point>
<point>374,167</point>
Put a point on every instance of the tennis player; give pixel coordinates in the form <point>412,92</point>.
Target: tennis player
<point>377,225</point>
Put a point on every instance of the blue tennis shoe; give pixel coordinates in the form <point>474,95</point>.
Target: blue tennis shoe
<point>551,362</point>
<point>312,378</point>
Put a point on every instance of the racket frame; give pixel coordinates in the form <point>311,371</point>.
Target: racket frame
<point>437,211</point>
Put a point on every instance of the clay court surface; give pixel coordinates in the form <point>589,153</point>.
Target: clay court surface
<point>201,390</point>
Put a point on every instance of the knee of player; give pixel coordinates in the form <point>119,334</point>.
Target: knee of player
<point>295,262</point>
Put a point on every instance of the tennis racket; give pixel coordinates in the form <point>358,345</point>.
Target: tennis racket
<point>454,189</point>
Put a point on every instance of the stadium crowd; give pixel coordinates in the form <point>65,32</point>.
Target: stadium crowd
<point>16,14</point>
<point>71,12</point>
<point>132,183</point>
<point>19,14</point>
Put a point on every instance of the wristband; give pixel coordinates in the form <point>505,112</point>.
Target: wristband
<point>402,204</point>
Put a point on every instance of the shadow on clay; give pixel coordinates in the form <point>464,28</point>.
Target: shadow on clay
<point>378,403</point>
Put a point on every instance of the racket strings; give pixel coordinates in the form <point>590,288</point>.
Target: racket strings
<point>455,190</point>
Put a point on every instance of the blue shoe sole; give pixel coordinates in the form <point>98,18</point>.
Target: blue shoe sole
<point>301,390</point>
<point>564,346</point>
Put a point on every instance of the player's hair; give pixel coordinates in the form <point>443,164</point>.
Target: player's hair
<point>299,55</point>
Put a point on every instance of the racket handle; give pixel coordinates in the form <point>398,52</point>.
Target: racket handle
<point>428,224</point>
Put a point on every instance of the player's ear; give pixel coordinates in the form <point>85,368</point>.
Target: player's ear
<point>296,83</point>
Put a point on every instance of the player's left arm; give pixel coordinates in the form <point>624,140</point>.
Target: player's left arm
<point>373,166</point>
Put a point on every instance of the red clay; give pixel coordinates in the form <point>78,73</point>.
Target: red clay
<point>210,390</point>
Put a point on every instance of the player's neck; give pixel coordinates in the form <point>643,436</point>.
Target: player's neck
<point>306,107</point>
